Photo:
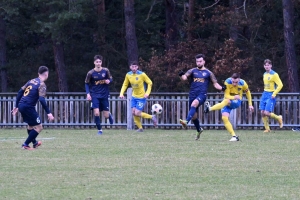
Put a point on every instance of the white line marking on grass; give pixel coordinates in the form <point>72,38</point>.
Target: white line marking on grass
<point>6,139</point>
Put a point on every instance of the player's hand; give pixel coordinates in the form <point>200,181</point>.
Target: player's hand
<point>146,96</point>
<point>237,97</point>
<point>180,73</point>
<point>273,97</point>
<point>88,97</point>
<point>107,81</point>
<point>251,108</point>
<point>15,111</point>
<point>121,96</point>
<point>50,117</point>
<point>223,87</point>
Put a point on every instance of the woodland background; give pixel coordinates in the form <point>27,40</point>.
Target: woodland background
<point>164,35</point>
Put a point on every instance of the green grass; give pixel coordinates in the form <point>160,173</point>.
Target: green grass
<point>155,164</point>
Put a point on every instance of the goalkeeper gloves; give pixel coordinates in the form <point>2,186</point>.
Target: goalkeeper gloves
<point>223,87</point>
<point>180,73</point>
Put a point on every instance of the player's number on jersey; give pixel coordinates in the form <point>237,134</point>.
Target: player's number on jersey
<point>27,90</point>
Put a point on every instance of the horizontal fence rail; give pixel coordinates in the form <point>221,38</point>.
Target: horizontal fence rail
<point>73,110</point>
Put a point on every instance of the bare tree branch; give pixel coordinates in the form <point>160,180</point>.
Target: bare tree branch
<point>244,5</point>
<point>217,1</point>
<point>153,4</point>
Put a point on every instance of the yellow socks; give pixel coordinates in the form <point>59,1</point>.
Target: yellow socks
<point>137,121</point>
<point>145,115</point>
<point>274,116</point>
<point>219,106</point>
<point>228,125</point>
<point>266,122</point>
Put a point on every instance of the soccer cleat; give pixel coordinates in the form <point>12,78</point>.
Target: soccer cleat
<point>280,121</point>
<point>26,147</point>
<point>234,139</point>
<point>100,132</point>
<point>267,131</point>
<point>183,123</point>
<point>198,134</point>
<point>206,107</point>
<point>140,130</point>
<point>110,118</point>
<point>154,120</point>
<point>296,129</point>
<point>37,144</point>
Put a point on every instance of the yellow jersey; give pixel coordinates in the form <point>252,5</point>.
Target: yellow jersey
<point>141,84</point>
<point>272,82</point>
<point>239,89</point>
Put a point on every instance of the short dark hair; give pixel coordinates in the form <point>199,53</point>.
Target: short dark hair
<point>134,63</point>
<point>268,61</point>
<point>235,75</point>
<point>96,57</point>
<point>43,69</point>
<point>200,56</point>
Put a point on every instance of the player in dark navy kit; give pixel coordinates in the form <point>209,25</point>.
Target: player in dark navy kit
<point>97,91</point>
<point>200,77</point>
<point>28,96</point>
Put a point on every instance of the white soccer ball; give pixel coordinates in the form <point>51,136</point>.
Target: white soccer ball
<point>156,109</point>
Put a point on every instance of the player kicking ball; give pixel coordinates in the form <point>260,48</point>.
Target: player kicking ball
<point>138,79</point>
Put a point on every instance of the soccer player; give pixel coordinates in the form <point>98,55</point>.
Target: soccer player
<point>97,91</point>
<point>235,87</point>
<point>272,86</point>
<point>34,90</point>
<point>199,81</point>
<point>138,80</point>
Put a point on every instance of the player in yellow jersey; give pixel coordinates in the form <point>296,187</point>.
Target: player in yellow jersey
<point>138,80</point>
<point>235,87</point>
<point>272,86</point>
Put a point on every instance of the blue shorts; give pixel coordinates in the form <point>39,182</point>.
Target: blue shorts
<point>233,105</point>
<point>101,103</point>
<point>138,103</point>
<point>266,102</point>
<point>29,114</point>
<point>201,98</point>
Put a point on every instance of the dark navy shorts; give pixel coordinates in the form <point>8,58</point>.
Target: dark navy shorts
<point>29,114</point>
<point>201,99</point>
<point>101,103</point>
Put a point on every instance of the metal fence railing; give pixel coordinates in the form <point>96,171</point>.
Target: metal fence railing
<point>72,110</point>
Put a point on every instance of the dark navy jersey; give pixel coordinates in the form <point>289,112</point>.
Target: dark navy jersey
<point>96,80</point>
<point>33,89</point>
<point>199,80</point>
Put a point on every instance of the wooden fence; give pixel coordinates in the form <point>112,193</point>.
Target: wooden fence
<point>72,110</point>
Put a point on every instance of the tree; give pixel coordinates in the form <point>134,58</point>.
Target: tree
<point>290,54</point>
<point>171,24</point>
<point>3,54</point>
<point>131,40</point>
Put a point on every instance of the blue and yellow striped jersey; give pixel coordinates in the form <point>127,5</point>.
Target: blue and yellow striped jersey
<point>140,83</point>
<point>272,82</point>
<point>239,89</point>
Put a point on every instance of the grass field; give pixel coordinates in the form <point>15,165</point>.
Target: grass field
<point>155,164</point>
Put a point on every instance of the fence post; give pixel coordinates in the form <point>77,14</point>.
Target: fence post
<point>130,125</point>
<point>233,118</point>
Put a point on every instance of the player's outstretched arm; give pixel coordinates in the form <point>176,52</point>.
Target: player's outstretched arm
<point>182,75</point>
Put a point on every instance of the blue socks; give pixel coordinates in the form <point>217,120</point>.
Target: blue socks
<point>197,124</point>
<point>97,122</point>
<point>191,114</point>
<point>31,137</point>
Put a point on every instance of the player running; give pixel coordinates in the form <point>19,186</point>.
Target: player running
<point>235,87</point>
<point>272,86</point>
<point>34,90</point>
<point>199,81</point>
<point>96,86</point>
<point>138,81</point>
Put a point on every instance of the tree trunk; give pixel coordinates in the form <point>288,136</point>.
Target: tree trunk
<point>290,54</point>
<point>60,66</point>
<point>191,10</point>
<point>171,24</point>
<point>131,40</point>
<point>3,55</point>
<point>99,35</point>
<point>233,30</point>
